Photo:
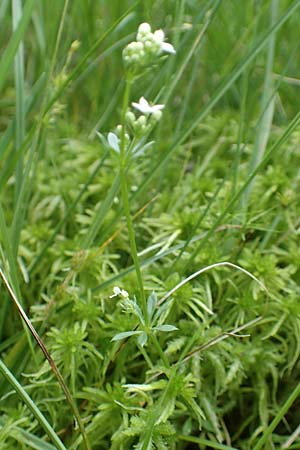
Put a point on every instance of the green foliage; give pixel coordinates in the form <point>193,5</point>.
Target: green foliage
<point>215,365</point>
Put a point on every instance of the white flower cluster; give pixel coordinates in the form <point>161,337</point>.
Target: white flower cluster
<point>147,47</point>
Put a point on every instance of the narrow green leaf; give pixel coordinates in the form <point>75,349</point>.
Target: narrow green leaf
<point>34,442</point>
<point>113,141</point>
<point>20,95</point>
<point>125,334</point>
<point>205,442</point>
<point>10,51</point>
<point>165,328</point>
<point>101,213</point>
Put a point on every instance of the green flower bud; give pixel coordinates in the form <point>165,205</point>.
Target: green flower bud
<point>130,118</point>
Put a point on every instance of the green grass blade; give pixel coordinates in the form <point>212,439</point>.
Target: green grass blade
<point>31,406</point>
<point>101,213</point>
<point>34,442</point>
<point>205,442</point>
<point>267,105</point>
<point>278,418</point>
<point>7,136</point>
<point>10,51</point>
<point>20,95</point>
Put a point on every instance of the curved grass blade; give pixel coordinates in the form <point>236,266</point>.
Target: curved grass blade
<point>158,256</point>
<point>205,269</point>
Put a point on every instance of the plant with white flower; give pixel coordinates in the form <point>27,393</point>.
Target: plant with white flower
<point>148,326</point>
<point>130,140</point>
<point>147,48</point>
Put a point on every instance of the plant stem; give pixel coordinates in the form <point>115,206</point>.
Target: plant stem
<point>125,199</point>
<point>159,349</point>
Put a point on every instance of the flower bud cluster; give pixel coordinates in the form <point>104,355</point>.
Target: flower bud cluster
<point>147,47</point>
<point>150,115</point>
<point>119,131</point>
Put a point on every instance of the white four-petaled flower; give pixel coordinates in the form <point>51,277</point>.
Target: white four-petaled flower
<point>145,108</point>
<point>117,291</point>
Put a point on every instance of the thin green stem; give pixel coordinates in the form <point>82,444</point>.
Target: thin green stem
<point>159,349</point>
<point>146,357</point>
<point>125,199</point>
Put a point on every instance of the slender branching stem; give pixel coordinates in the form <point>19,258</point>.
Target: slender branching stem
<point>159,349</point>
<point>125,199</point>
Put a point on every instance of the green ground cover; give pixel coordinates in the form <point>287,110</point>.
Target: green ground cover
<point>161,280</point>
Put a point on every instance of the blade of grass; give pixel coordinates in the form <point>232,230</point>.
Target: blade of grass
<point>207,21</point>
<point>31,406</point>
<point>205,269</point>
<point>267,106</point>
<point>205,442</point>
<point>34,442</point>
<point>31,100</point>
<point>20,95</point>
<point>4,238</point>
<point>3,8</point>
<point>101,213</point>
<point>278,418</point>
<point>10,51</point>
